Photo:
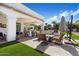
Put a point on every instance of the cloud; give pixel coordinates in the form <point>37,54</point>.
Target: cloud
<point>75,12</point>
<point>54,18</point>
<point>65,14</point>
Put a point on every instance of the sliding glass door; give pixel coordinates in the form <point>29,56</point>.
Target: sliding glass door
<point>18,27</point>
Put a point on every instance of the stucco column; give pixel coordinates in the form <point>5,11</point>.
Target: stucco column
<point>11,28</point>
<point>42,27</point>
<point>22,27</point>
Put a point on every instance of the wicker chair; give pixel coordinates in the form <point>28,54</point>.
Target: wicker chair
<point>2,36</point>
<point>19,35</point>
<point>42,37</point>
<point>58,40</point>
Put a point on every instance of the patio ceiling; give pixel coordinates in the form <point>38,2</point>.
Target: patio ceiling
<point>22,13</point>
<point>23,9</point>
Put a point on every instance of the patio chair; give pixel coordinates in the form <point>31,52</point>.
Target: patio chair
<point>2,36</point>
<point>33,33</point>
<point>58,40</point>
<point>19,35</point>
<point>42,37</point>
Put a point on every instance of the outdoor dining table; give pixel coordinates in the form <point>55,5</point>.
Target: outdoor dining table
<point>49,37</point>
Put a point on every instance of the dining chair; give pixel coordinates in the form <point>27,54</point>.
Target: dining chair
<point>2,36</point>
<point>58,40</point>
<point>42,37</point>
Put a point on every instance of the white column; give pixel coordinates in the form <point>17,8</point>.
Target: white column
<point>42,27</point>
<point>22,27</point>
<point>11,28</point>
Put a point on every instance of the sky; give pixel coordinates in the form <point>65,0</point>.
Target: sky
<point>54,11</point>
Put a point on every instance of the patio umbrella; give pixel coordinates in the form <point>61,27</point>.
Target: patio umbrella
<point>63,27</point>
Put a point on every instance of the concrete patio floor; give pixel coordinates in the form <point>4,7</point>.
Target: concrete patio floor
<point>52,49</point>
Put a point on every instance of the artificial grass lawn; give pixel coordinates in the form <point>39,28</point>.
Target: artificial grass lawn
<point>18,49</point>
<point>74,36</point>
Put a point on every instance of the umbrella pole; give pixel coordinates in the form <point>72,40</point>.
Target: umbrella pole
<point>68,29</point>
<point>71,27</point>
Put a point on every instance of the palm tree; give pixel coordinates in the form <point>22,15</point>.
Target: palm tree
<point>77,21</point>
<point>47,26</point>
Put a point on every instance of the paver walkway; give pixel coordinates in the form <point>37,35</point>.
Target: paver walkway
<point>52,49</point>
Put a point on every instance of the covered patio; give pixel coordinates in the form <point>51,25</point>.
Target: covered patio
<point>13,14</point>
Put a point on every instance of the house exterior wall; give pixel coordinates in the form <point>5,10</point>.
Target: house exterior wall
<point>3,23</point>
<point>11,23</point>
